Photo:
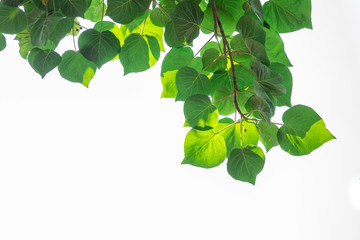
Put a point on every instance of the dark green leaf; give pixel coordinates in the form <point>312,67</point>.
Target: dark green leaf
<point>303,131</point>
<point>223,100</point>
<point>12,3</point>
<point>213,61</point>
<point>62,28</point>
<point>268,135</point>
<point>171,37</point>
<point>187,17</point>
<point>284,99</point>
<point>254,7</point>
<point>76,68</point>
<point>43,61</point>
<point>2,42</point>
<point>173,61</point>
<point>262,105</point>
<point>288,15</point>
<point>12,19</point>
<point>125,11</point>
<point>275,48</point>
<point>189,82</point>
<point>204,149</point>
<point>199,112</point>
<point>249,28</point>
<point>161,16</point>
<point>98,47</point>
<point>245,164</point>
<point>257,50</point>
<point>73,8</point>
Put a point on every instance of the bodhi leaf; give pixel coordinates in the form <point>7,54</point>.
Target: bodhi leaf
<point>73,8</point>
<point>262,106</point>
<point>227,20</point>
<point>186,19</point>
<point>288,15</point>
<point>284,99</point>
<point>199,112</point>
<point>135,53</point>
<point>12,19</point>
<point>233,135</point>
<point>257,50</point>
<point>254,7</point>
<point>204,149</point>
<point>223,100</point>
<point>43,61</point>
<point>76,68</point>
<point>249,28</point>
<point>246,163</point>
<point>303,131</point>
<point>213,61</point>
<point>275,48</point>
<point>98,47</point>
<point>125,11</point>
<point>161,16</point>
<point>234,7</point>
<point>268,135</point>
<point>2,42</point>
<point>173,61</point>
<point>189,82</point>
<point>94,11</point>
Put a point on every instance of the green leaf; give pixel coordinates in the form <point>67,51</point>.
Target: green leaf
<point>94,11</point>
<point>12,3</point>
<point>12,19</point>
<point>268,135</point>
<point>76,68</point>
<point>187,18</point>
<point>125,11</point>
<point>249,28</point>
<point>43,61</point>
<point>199,112</point>
<point>275,48</point>
<point>204,149</point>
<point>303,131</point>
<point>234,7</point>
<point>257,50</point>
<point>73,8</point>
<point>213,61</point>
<point>134,55</point>
<point>223,100</point>
<point>262,105</point>
<point>189,82</point>
<point>245,164</point>
<point>98,47</point>
<point>233,135</point>
<point>161,16</point>
<point>173,61</point>
<point>227,21</point>
<point>288,15</point>
<point>267,80</point>
<point>2,42</point>
<point>284,99</point>
<point>254,7</point>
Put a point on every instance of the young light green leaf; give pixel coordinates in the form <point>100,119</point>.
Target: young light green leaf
<point>98,47</point>
<point>189,82</point>
<point>234,137</point>
<point>288,15</point>
<point>204,149</point>
<point>303,131</point>
<point>76,68</point>
<point>199,112</point>
<point>173,61</point>
<point>275,48</point>
<point>12,19</point>
<point>43,61</point>
<point>246,163</point>
<point>268,135</point>
<point>2,42</point>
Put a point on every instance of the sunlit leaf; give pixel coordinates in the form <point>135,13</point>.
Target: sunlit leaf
<point>94,12</point>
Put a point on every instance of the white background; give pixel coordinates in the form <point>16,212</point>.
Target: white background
<point>104,162</point>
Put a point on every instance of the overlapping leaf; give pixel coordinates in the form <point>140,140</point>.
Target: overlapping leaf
<point>2,42</point>
<point>12,19</point>
<point>43,61</point>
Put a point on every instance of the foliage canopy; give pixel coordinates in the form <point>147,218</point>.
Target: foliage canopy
<point>230,87</point>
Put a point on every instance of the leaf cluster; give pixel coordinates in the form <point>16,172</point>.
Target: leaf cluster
<point>230,87</point>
